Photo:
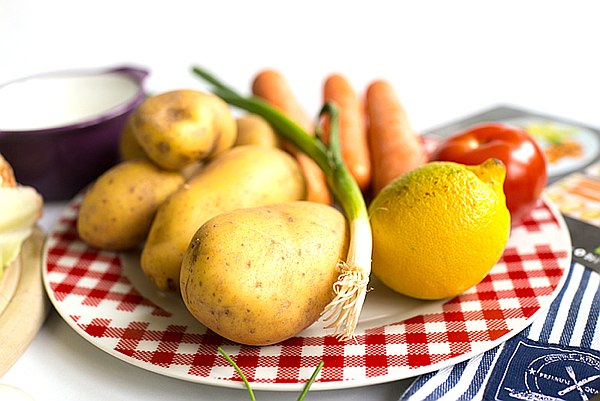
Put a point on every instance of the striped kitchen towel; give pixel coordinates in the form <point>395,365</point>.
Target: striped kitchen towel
<point>556,358</point>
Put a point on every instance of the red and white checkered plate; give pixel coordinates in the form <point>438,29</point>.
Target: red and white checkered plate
<point>106,298</point>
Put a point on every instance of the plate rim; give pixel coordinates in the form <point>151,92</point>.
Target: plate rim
<point>317,385</point>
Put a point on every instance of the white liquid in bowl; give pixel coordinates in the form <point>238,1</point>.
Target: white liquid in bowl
<point>56,100</point>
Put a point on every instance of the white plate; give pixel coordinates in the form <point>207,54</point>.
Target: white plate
<point>107,299</point>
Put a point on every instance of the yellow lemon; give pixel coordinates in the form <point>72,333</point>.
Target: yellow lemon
<point>439,229</point>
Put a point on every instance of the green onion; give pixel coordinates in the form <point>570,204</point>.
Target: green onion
<point>351,288</point>
<point>239,371</point>
<point>311,381</point>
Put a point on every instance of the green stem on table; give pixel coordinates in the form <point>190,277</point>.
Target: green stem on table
<point>351,287</point>
<point>311,381</point>
<point>239,371</point>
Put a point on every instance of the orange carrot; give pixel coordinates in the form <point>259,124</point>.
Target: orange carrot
<point>352,128</point>
<point>395,146</point>
<point>274,89</point>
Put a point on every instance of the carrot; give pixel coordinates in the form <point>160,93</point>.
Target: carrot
<point>352,128</point>
<point>395,146</point>
<point>272,87</point>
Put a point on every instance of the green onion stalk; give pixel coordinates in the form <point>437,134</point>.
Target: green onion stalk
<point>312,379</point>
<point>351,287</point>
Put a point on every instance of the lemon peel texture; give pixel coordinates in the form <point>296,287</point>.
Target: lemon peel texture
<point>439,229</point>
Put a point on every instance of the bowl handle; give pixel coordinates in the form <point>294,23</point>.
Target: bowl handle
<point>138,73</point>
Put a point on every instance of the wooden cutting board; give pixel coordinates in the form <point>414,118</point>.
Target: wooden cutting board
<point>24,304</point>
<point>8,284</point>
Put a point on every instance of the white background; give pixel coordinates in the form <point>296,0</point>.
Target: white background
<point>446,59</point>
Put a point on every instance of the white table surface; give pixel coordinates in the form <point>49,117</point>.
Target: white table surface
<point>447,60</point>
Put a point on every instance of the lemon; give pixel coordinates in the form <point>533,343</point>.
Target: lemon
<point>439,229</point>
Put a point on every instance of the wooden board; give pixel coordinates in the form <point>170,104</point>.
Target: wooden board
<point>9,283</point>
<point>26,306</point>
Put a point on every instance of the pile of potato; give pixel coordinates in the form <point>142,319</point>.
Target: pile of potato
<point>219,211</point>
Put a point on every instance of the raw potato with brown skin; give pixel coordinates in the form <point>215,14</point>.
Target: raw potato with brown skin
<point>117,211</point>
<point>244,176</point>
<point>129,148</point>
<point>179,127</point>
<point>262,275</point>
<point>255,130</point>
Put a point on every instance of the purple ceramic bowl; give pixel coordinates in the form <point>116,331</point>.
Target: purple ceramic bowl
<point>60,131</point>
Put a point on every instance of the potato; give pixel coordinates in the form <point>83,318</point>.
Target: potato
<point>179,127</point>
<point>189,171</point>
<point>244,176</point>
<point>259,276</point>
<point>129,148</point>
<point>117,211</point>
<point>255,130</point>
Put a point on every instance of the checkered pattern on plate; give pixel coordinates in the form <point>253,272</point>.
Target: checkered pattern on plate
<point>106,301</point>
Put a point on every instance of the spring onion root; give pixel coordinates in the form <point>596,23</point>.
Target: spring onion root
<point>351,288</point>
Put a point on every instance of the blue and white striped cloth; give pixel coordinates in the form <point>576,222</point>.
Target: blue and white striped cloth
<point>556,358</point>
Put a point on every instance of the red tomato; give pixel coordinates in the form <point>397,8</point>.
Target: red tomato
<point>525,163</point>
